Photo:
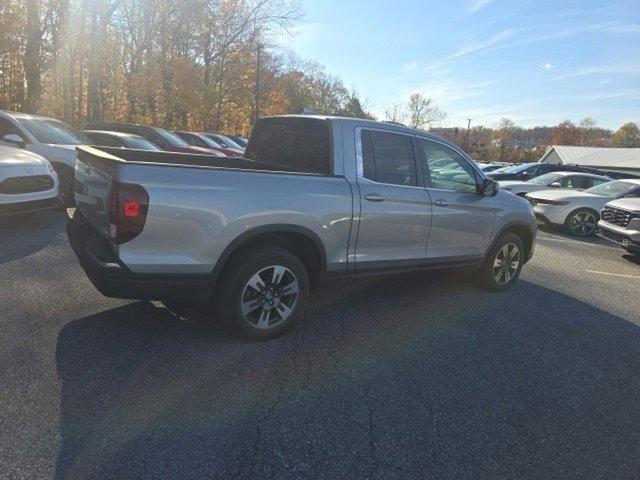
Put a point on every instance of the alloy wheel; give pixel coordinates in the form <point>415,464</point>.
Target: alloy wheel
<point>583,223</point>
<point>506,263</point>
<point>269,297</point>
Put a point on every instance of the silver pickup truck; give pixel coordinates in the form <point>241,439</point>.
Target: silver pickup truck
<point>314,196</point>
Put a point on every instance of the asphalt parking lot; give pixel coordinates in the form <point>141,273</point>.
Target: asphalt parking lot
<point>412,376</point>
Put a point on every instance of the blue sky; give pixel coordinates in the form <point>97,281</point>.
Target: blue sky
<point>536,62</point>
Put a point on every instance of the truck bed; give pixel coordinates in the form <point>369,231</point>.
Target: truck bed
<point>198,205</point>
<point>113,154</point>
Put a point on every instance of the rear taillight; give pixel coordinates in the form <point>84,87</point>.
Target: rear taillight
<point>128,208</point>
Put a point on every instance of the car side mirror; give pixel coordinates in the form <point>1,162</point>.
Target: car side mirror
<point>555,184</point>
<point>488,187</point>
<point>525,175</point>
<point>13,138</point>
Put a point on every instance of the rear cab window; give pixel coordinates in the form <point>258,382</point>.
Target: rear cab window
<point>294,144</point>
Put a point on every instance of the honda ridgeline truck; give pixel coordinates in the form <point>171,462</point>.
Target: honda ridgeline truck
<point>314,196</point>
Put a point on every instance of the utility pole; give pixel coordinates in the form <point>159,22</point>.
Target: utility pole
<point>466,139</point>
<point>257,99</point>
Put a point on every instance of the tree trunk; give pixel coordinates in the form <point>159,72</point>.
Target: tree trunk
<point>32,57</point>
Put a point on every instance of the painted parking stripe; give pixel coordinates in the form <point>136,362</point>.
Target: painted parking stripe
<point>566,240</point>
<point>613,274</point>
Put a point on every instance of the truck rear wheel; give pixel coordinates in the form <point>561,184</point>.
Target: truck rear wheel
<point>503,264</point>
<point>266,289</point>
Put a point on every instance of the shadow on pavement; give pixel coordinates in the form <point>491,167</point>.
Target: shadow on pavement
<point>409,376</point>
<point>21,236</point>
<point>635,259</point>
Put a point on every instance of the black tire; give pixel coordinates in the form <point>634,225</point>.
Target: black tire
<point>65,186</point>
<point>236,290</point>
<point>488,274</point>
<point>582,222</point>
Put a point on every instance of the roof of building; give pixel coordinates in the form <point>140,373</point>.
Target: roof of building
<point>597,157</point>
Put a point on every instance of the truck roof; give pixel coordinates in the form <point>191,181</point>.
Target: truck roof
<point>361,122</point>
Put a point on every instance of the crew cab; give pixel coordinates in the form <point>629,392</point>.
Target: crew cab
<point>314,196</point>
<point>620,223</point>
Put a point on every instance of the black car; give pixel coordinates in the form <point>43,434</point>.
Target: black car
<point>525,171</point>
<point>118,139</point>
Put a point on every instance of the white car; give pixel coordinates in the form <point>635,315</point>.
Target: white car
<point>579,211</point>
<point>620,223</point>
<point>28,182</point>
<point>48,137</point>
<point>573,180</point>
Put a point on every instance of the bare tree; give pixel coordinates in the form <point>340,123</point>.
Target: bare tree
<point>395,113</point>
<point>422,112</point>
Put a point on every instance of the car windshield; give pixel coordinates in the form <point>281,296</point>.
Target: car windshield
<point>170,138</point>
<point>546,179</point>
<point>231,143</point>
<point>53,131</point>
<point>515,168</point>
<point>225,142</point>
<point>141,143</point>
<point>210,141</point>
<point>612,189</point>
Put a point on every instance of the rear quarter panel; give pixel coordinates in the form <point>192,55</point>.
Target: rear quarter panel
<point>195,213</point>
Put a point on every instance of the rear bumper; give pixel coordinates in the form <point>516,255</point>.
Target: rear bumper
<point>113,279</point>
<point>18,208</point>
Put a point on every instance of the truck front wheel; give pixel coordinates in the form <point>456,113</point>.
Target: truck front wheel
<point>503,263</point>
<point>266,290</point>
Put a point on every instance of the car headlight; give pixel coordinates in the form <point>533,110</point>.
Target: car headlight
<point>508,189</point>
<point>556,202</point>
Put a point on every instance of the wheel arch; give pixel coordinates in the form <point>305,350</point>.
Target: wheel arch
<point>521,230</point>
<point>299,240</point>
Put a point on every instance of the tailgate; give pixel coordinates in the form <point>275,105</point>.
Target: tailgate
<point>94,176</point>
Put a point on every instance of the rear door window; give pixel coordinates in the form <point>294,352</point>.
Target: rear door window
<point>388,157</point>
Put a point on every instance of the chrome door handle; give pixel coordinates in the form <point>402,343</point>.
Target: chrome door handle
<point>374,197</point>
<point>441,203</point>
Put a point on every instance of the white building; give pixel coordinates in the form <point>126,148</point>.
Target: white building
<point>615,159</point>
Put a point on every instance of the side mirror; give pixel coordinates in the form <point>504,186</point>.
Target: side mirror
<point>13,138</point>
<point>555,184</point>
<point>488,188</point>
<point>525,175</point>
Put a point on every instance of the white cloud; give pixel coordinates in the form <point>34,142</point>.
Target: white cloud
<point>450,90</point>
<point>411,66</point>
<point>548,66</point>
<point>475,5</point>
<point>620,69</point>
<point>478,46</point>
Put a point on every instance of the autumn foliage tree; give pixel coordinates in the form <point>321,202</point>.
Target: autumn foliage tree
<point>627,136</point>
<point>565,133</point>
<point>200,64</point>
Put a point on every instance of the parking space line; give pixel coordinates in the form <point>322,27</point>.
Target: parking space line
<point>613,274</point>
<point>566,240</point>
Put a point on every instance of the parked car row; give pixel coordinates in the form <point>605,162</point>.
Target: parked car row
<point>56,142</point>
